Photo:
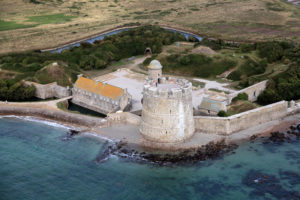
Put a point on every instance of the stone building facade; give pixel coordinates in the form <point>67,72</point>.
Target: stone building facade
<point>100,97</point>
<point>167,113</point>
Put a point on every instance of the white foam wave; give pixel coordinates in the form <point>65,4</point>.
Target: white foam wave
<point>34,119</point>
<point>98,136</point>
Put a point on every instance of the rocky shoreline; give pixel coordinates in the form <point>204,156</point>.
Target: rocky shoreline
<point>191,156</point>
<point>117,145</point>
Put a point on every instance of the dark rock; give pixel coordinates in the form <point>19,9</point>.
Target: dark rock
<point>277,137</point>
<point>292,177</point>
<point>237,166</point>
<point>263,184</point>
<point>253,137</point>
<point>73,132</point>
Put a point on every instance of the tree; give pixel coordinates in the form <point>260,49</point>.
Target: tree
<point>270,50</point>
<point>222,113</point>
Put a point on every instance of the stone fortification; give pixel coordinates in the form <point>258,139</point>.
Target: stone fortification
<point>241,121</point>
<point>154,70</point>
<point>167,114</point>
<point>57,115</point>
<point>123,118</point>
<point>47,91</point>
<point>252,91</point>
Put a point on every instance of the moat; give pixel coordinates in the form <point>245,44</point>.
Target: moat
<point>38,163</point>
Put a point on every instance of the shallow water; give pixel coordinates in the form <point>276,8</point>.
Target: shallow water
<point>35,163</point>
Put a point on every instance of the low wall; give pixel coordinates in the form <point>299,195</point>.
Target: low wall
<point>241,121</point>
<point>124,117</point>
<point>252,91</point>
<point>61,116</point>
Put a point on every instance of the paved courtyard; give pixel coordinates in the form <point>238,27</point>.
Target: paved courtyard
<point>133,82</point>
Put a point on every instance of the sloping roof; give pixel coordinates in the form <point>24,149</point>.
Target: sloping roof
<point>106,90</point>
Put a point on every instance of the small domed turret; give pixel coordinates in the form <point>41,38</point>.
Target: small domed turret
<point>155,70</point>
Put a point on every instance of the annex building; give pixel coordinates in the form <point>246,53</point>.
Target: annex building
<point>100,97</point>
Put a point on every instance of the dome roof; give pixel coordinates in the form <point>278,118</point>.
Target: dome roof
<point>154,64</point>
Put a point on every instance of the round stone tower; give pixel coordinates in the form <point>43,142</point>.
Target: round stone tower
<point>167,114</point>
<point>155,70</point>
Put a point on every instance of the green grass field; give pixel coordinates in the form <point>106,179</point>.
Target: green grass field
<point>50,19</point>
<point>11,25</point>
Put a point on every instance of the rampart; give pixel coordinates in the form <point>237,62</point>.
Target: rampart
<point>123,118</point>
<point>252,91</point>
<point>167,114</point>
<point>57,115</point>
<point>47,91</point>
<point>241,121</point>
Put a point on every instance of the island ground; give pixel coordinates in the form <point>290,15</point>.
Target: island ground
<point>129,134</point>
<point>40,24</point>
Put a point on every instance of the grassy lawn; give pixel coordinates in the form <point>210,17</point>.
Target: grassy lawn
<point>50,19</point>
<point>10,25</point>
<point>240,106</point>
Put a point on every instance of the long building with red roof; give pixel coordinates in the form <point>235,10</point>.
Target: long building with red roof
<point>100,97</point>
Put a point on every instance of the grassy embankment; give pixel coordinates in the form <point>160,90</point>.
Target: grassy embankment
<point>35,66</point>
<point>245,64</point>
<point>38,24</point>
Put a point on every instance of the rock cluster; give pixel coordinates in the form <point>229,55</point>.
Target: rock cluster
<point>263,184</point>
<point>290,134</point>
<point>209,151</point>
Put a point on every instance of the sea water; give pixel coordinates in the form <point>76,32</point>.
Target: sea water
<point>37,163</point>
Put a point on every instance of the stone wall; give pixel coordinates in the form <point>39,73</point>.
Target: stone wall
<point>94,102</point>
<point>47,91</point>
<point>167,114</point>
<point>154,74</point>
<point>124,118</point>
<point>241,121</point>
<point>57,115</point>
<point>253,91</point>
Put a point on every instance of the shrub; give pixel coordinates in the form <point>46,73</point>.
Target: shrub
<point>245,48</point>
<point>285,86</point>
<point>222,113</point>
<point>235,75</point>
<point>270,50</point>
<point>240,96</point>
<point>15,91</point>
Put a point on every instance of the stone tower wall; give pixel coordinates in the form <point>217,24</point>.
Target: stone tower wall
<point>167,114</point>
<point>154,74</point>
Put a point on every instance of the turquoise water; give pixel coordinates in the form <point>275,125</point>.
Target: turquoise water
<point>35,163</point>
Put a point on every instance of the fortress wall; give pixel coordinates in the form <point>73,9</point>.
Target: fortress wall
<point>47,91</point>
<point>167,114</point>
<point>57,115</point>
<point>124,117</point>
<point>253,91</point>
<point>61,92</point>
<point>235,123</point>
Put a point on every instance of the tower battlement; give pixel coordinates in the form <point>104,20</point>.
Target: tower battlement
<point>168,89</point>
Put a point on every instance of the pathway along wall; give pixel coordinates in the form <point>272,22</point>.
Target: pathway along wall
<point>56,115</point>
<point>167,114</point>
<point>241,121</point>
